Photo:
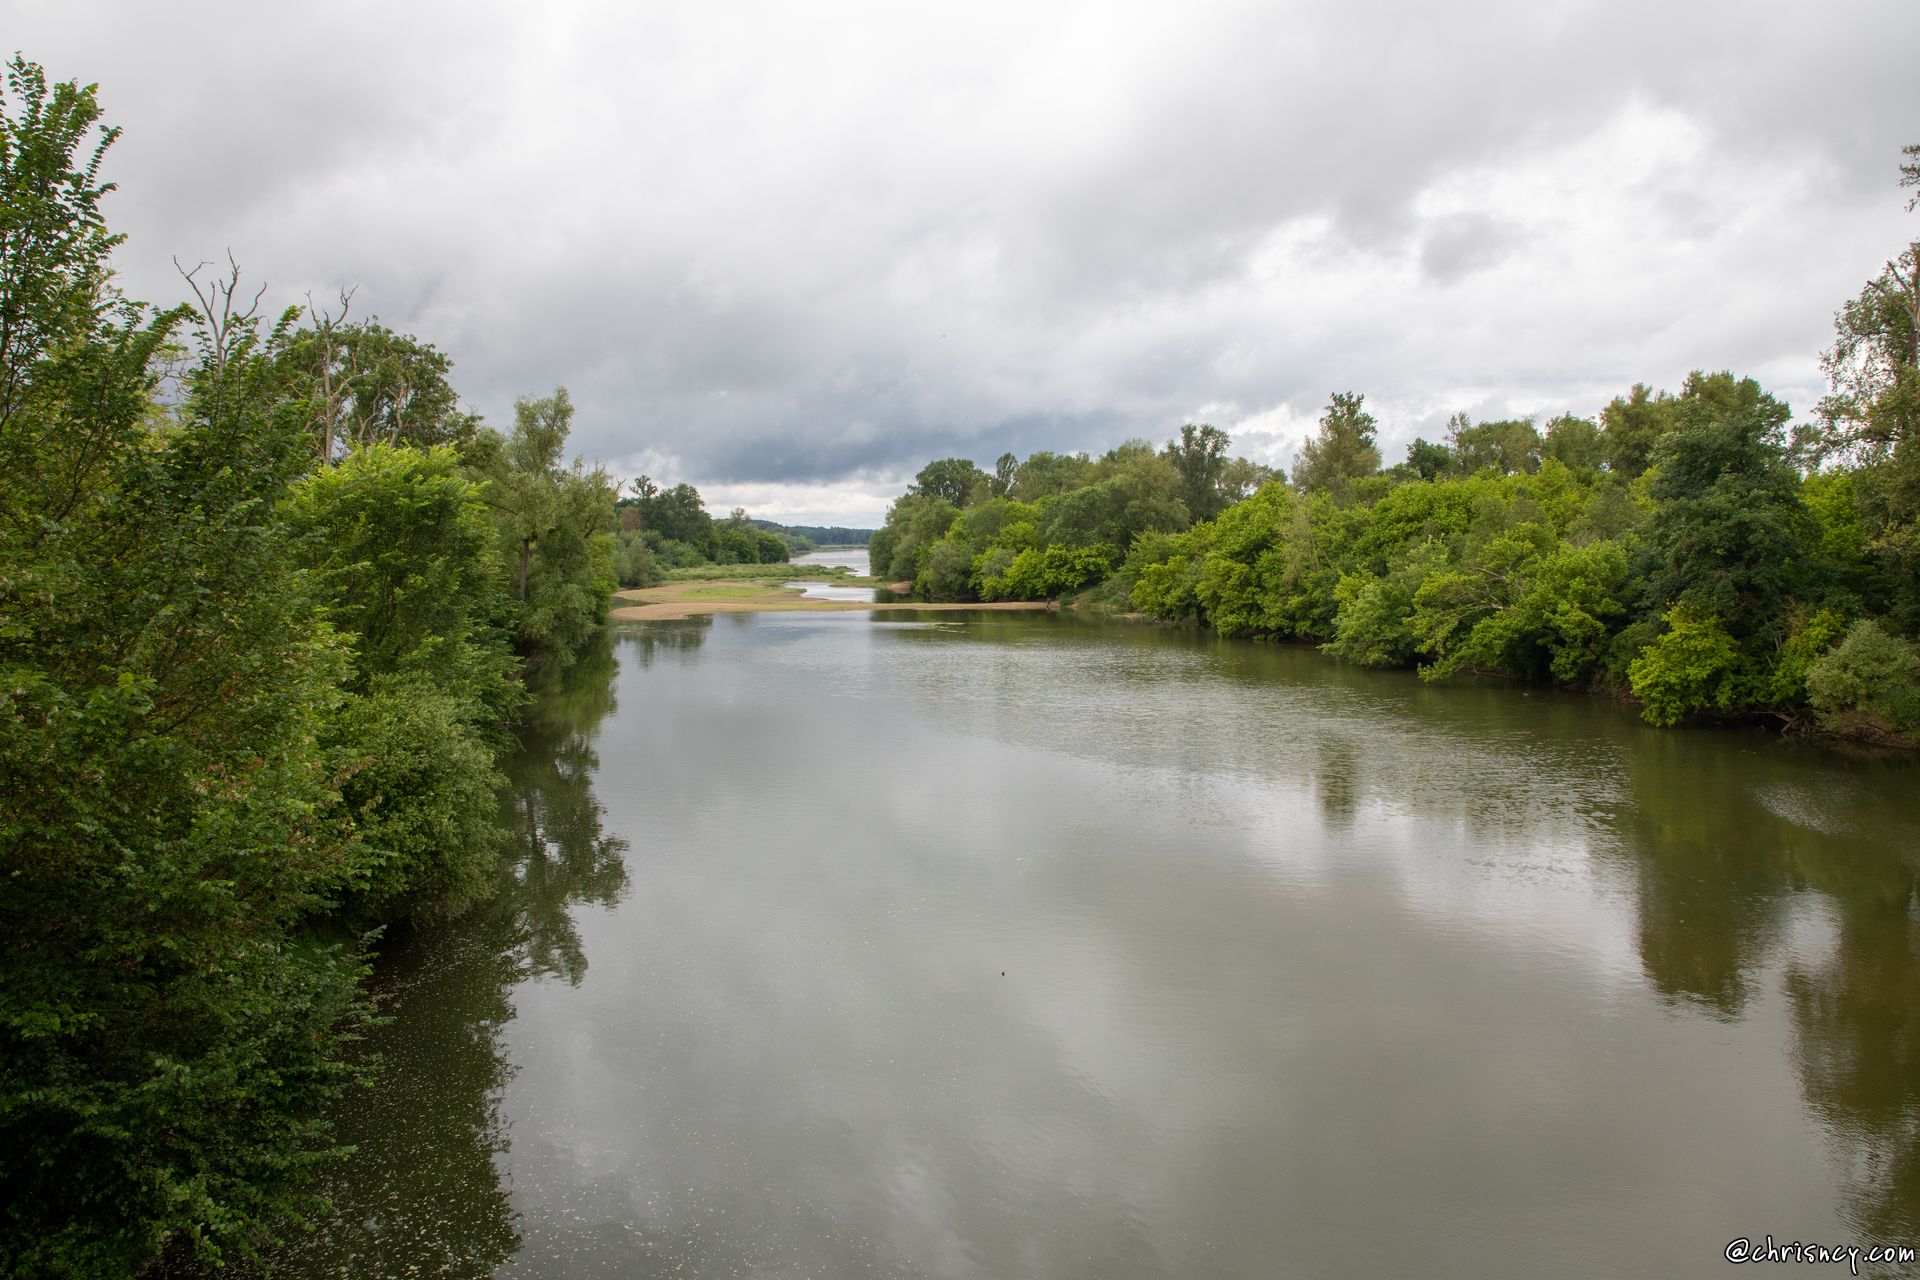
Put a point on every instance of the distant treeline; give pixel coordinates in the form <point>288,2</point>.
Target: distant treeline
<point>267,597</point>
<point>1692,550</point>
<point>818,535</point>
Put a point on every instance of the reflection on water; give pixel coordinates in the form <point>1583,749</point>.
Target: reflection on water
<point>994,945</point>
<point>423,1195</point>
<point>831,591</point>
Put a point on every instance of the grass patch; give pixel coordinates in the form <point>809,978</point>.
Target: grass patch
<point>765,573</point>
<point>730,591</point>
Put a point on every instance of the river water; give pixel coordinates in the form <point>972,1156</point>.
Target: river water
<point>1017,945</point>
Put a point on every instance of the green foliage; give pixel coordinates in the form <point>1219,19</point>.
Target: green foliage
<point>634,563</point>
<point>1576,443</point>
<point>1200,457</point>
<point>1730,537</point>
<point>1043,574</point>
<point>1692,667</point>
<point>53,241</point>
<point>555,524</point>
<point>1427,460</point>
<point>1539,608</point>
<point>1343,451</point>
<point>1373,626</point>
<point>1504,448</point>
<point>418,781</point>
<point>368,385</point>
<point>168,1032</point>
<point>1869,677</point>
<point>404,556</point>
<point>915,522</point>
<point>251,690</point>
<point>948,571</point>
<point>678,514</point>
<point>954,481</point>
<point>1631,426</point>
<point>1045,475</point>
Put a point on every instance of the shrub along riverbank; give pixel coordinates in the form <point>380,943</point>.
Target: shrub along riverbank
<point>266,596</point>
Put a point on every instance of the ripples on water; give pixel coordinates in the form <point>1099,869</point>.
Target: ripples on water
<point>992,945</point>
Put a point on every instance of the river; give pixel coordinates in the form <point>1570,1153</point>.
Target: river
<point>1021,945</point>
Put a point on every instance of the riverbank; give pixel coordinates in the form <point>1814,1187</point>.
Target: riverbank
<point>672,601</point>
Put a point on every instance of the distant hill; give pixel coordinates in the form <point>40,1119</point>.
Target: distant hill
<point>828,535</point>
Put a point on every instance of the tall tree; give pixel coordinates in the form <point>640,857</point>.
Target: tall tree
<point>1730,538</point>
<point>1005,471</point>
<point>951,480</point>
<point>1632,425</point>
<point>1200,456</point>
<point>1343,450</point>
<point>370,385</point>
<point>556,522</point>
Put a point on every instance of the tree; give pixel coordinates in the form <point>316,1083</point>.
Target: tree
<point>369,385</point>
<point>1200,456</point>
<point>1005,472</point>
<point>1044,475</point>
<point>1632,426</point>
<point>1344,449</point>
<point>954,481</point>
<point>402,550</point>
<point>1576,442</point>
<point>1429,461</point>
<point>54,244</point>
<point>1870,676</point>
<point>1730,547</point>
<point>169,1033</point>
<point>1870,419</point>
<point>557,523</point>
<point>1510,447</point>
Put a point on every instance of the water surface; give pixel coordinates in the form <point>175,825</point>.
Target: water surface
<point>1010,945</point>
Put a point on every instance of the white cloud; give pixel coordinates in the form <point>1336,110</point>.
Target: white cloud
<point>794,247</point>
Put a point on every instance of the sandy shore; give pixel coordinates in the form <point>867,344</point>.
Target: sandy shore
<point>676,600</point>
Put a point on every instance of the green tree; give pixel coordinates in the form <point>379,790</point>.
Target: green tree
<point>1630,427</point>
<point>1693,666</point>
<point>1509,447</point>
<point>1200,456</point>
<point>954,481</point>
<point>403,554</point>
<point>1870,679</point>
<point>1344,449</point>
<point>1729,536</point>
<point>1576,443</point>
<point>1046,475</point>
<point>556,523</point>
<point>369,385</point>
<point>1005,472</point>
<point>1427,460</point>
<point>168,1032</point>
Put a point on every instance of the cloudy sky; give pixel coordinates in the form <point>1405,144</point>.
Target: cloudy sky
<point>790,252</point>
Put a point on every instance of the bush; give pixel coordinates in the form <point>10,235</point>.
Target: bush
<point>420,784</point>
<point>633,564</point>
<point>1694,665</point>
<point>1870,680</point>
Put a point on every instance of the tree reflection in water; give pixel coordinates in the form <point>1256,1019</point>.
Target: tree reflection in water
<point>1729,852</point>
<point>422,1194</point>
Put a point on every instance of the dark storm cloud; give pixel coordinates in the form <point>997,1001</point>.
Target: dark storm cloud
<point>814,247</point>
